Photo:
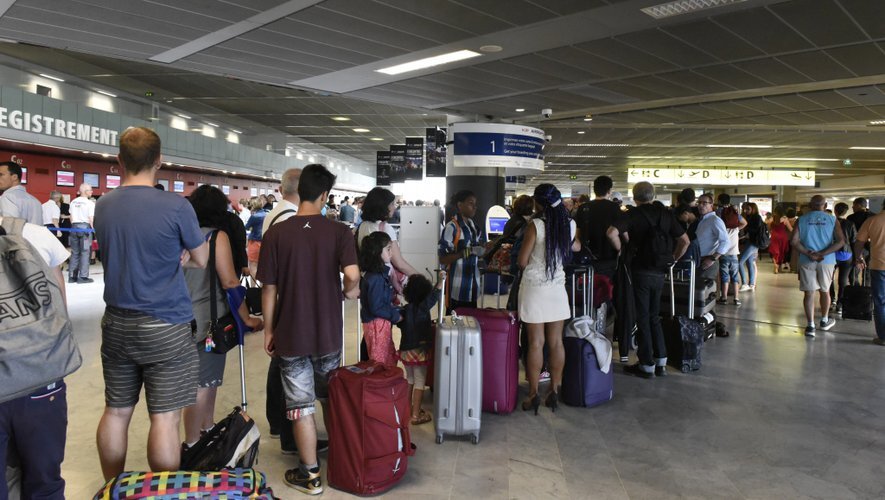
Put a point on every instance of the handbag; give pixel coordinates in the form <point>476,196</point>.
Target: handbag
<point>222,335</point>
<point>253,295</point>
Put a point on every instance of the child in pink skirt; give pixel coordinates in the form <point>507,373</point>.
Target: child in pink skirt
<point>377,311</point>
<point>417,337</point>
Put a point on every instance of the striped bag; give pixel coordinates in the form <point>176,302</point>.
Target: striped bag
<point>227,484</point>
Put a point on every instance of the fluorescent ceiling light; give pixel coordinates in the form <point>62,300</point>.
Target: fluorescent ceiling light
<point>361,130</point>
<point>520,110</point>
<point>212,124</point>
<point>581,132</point>
<point>745,158</point>
<point>429,62</point>
<point>868,148</point>
<point>679,7</point>
<point>44,75</point>
<point>597,145</point>
<point>749,146</point>
<point>341,118</point>
<point>377,139</point>
<point>106,93</point>
<point>238,132</point>
<point>877,122</point>
<point>588,119</point>
<point>183,116</point>
<point>580,156</point>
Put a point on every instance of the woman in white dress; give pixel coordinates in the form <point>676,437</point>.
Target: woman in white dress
<point>543,302</point>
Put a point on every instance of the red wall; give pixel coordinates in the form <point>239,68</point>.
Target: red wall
<point>42,168</point>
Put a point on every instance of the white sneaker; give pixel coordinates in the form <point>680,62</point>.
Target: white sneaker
<point>828,324</point>
<point>745,288</point>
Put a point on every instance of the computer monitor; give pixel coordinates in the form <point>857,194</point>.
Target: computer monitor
<point>496,224</point>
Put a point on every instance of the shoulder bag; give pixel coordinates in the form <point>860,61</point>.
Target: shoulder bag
<point>222,335</point>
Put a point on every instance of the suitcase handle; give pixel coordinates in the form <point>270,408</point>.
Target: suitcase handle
<point>691,290</point>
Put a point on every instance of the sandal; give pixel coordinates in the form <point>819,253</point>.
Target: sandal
<point>422,418</point>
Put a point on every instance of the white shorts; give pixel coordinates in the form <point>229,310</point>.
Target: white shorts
<point>815,276</point>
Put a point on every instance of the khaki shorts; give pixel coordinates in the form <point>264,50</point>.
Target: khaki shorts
<point>815,276</point>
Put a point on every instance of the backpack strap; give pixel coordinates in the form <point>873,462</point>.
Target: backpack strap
<point>277,216</point>
<point>13,226</point>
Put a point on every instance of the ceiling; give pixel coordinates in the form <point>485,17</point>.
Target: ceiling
<point>805,77</point>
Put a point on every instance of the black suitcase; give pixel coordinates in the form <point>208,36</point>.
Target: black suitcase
<point>857,301</point>
<point>683,335</point>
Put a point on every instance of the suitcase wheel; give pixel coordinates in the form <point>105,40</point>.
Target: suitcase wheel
<point>439,439</point>
<point>474,439</point>
<point>686,367</point>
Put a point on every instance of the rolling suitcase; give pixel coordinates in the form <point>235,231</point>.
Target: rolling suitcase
<point>857,301</point>
<point>584,383</point>
<point>234,440</point>
<point>683,336</point>
<point>457,394</point>
<point>500,357</point>
<point>369,440</point>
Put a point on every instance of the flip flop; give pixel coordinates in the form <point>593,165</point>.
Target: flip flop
<point>422,418</point>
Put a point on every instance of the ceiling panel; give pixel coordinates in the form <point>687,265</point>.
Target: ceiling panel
<point>626,55</point>
<point>816,65</point>
<point>823,22</point>
<point>714,40</point>
<point>405,22</point>
<point>660,44</point>
<point>763,29</point>
<point>863,60</point>
<point>772,71</point>
<point>732,76</point>
<point>868,14</point>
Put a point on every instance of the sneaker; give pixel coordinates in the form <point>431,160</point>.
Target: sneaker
<point>878,341</point>
<point>809,331</point>
<point>72,280</point>
<point>305,482</point>
<point>85,280</point>
<point>660,371</point>
<point>636,369</point>
<point>838,308</point>
<point>545,376</point>
<point>828,324</point>
<point>745,288</point>
<point>275,434</point>
<point>737,301</point>
<point>722,301</point>
<point>625,359</point>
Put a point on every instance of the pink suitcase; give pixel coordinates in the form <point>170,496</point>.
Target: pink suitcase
<point>500,357</point>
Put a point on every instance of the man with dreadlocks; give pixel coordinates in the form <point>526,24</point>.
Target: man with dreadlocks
<point>543,304</point>
<point>643,229</point>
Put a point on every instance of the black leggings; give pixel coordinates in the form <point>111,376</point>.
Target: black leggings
<point>844,269</point>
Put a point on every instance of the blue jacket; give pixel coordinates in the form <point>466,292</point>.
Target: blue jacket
<point>376,298</point>
<point>255,223</point>
<point>416,326</point>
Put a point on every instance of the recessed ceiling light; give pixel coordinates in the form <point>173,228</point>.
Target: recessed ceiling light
<point>429,62</point>
<point>520,110</point>
<point>491,48</point>
<point>868,148</point>
<point>183,116</point>
<point>341,118</point>
<point>679,7</point>
<point>748,146</point>
<point>212,124</point>
<point>44,75</point>
<point>106,93</point>
<point>581,132</point>
<point>361,130</point>
<point>236,131</point>
<point>588,119</point>
<point>377,139</point>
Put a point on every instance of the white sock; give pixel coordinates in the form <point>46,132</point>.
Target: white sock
<point>811,324</point>
<point>824,319</point>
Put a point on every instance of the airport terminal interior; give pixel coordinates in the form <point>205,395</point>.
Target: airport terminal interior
<point>769,101</point>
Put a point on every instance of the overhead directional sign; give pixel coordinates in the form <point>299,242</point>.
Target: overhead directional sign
<point>721,176</point>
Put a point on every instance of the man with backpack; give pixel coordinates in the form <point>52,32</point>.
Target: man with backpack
<point>728,262</point>
<point>593,219</point>
<point>655,240</point>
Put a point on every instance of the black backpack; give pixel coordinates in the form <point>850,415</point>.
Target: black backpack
<point>763,236</point>
<point>656,251</point>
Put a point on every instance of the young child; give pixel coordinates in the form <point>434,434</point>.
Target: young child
<point>377,311</point>
<point>417,331</point>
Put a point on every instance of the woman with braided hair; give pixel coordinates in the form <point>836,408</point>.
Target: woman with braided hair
<point>543,303</point>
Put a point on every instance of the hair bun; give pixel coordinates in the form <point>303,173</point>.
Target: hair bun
<point>548,195</point>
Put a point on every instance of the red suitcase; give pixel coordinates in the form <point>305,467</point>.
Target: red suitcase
<point>369,440</point>
<point>500,357</point>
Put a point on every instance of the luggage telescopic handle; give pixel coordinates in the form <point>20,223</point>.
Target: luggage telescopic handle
<point>442,298</point>
<point>672,292</point>
<point>691,290</point>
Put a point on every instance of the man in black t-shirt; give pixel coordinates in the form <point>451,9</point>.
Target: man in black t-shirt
<point>593,220</point>
<point>638,229</point>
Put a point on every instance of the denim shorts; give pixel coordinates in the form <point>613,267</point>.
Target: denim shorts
<point>306,379</point>
<point>728,268</point>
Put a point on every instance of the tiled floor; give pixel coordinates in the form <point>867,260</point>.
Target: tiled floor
<point>771,415</point>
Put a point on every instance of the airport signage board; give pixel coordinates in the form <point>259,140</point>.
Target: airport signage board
<point>382,168</point>
<point>414,158</point>
<point>721,176</point>
<point>17,119</point>
<point>435,151</point>
<point>498,145</point>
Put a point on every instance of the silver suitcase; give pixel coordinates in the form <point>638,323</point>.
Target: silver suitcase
<point>457,394</point>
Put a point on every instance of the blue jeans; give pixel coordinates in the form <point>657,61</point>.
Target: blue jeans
<point>878,278</point>
<point>728,268</point>
<point>748,258</point>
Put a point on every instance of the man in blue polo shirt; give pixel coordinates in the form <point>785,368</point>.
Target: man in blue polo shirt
<point>817,237</point>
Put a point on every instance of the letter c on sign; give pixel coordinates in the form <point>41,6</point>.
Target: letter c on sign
<point>655,174</point>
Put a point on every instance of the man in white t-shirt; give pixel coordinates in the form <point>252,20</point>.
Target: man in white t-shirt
<point>289,205</point>
<point>52,210</point>
<point>82,214</point>
<point>35,426</point>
